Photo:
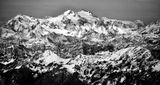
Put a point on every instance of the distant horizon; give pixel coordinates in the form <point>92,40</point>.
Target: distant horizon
<point>3,20</point>
<point>146,10</point>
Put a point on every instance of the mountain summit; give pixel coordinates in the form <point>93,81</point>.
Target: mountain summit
<point>77,24</point>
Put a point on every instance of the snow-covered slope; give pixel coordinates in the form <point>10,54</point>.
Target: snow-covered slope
<point>70,24</point>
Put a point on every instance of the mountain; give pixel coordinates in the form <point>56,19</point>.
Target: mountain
<point>79,48</point>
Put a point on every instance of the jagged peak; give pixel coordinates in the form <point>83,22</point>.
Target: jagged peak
<point>20,16</point>
<point>81,13</point>
<point>140,23</point>
<point>68,12</point>
<point>85,12</point>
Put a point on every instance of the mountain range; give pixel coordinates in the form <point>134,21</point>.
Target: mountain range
<point>79,48</point>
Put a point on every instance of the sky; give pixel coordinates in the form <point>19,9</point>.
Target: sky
<point>145,10</point>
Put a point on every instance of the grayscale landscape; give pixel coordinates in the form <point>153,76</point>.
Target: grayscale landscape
<point>79,44</point>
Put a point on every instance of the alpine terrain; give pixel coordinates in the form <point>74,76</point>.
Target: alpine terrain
<point>79,48</point>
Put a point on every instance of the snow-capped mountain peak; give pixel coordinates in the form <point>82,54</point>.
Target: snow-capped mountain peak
<point>68,12</point>
<point>70,23</point>
<point>84,12</point>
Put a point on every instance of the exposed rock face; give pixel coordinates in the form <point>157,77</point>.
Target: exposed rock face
<point>78,48</point>
<point>117,67</point>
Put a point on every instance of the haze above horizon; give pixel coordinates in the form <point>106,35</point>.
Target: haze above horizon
<point>145,10</point>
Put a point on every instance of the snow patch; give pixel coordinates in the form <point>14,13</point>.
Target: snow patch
<point>157,67</point>
<point>49,57</point>
<point>10,61</point>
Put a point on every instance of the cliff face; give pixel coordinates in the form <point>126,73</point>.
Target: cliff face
<point>78,48</point>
